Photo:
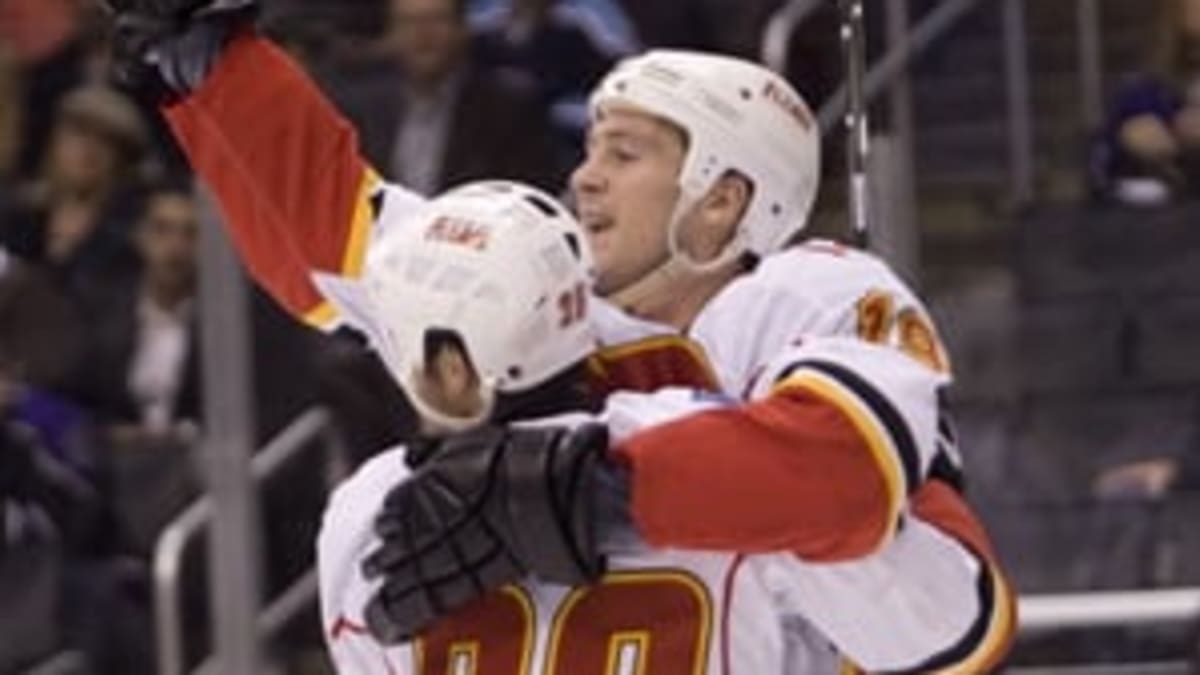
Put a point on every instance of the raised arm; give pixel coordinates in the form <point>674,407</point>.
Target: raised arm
<point>283,164</point>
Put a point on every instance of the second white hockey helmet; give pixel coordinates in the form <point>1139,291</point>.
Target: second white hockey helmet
<point>500,265</point>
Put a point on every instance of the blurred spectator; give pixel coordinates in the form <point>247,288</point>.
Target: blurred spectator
<point>430,119</point>
<point>56,537</point>
<point>686,24</point>
<point>45,39</point>
<point>1149,149</point>
<point>41,434</point>
<point>40,344</point>
<point>30,550</point>
<point>613,16</point>
<point>38,29</point>
<point>140,374</point>
<point>563,47</point>
<point>346,18</point>
<point>39,327</point>
<point>1151,479</point>
<point>70,219</point>
<point>10,116</point>
<point>31,476</point>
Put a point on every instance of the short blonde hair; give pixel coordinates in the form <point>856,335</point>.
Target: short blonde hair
<point>109,111</point>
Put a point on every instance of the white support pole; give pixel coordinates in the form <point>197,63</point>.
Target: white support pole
<point>1020,102</point>
<point>1091,64</point>
<point>899,226</point>
<point>227,445</point>
<point>894,238</point>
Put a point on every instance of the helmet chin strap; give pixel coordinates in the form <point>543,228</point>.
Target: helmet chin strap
<point>676,264</point>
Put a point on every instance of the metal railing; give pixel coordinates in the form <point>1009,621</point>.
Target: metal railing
<point>935,25</point>
<point>314,425</point>
<point>939,22</point>
<point>1099,609</point>
<point>1020,103</point>
<point>1044,613</point>
<point>1091,63</point>
<point>1138,668</point>
<point>777,37</point>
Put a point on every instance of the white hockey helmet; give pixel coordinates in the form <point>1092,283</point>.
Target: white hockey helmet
<point>501,265</point>
<point>738,116</point>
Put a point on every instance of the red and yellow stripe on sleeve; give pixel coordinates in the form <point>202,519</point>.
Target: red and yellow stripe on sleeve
<point>793,472</point>
<point>884,434</point>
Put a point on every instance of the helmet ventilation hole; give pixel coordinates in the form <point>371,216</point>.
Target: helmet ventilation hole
<point>542,205</point>
<point>573,244</point>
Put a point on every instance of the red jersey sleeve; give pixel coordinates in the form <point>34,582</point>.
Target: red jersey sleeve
<point>284,167</point>
<point>822,463</point>
<point>791,472</point>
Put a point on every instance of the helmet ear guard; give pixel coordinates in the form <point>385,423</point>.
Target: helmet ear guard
<point>483,291</point>
<point>737,117</point>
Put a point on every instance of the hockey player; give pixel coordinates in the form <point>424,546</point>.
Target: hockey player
<point>697,165</point>
<point>479,344</point>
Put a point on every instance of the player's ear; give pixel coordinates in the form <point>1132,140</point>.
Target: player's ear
<point>717,216</point>
<point>447,380</point>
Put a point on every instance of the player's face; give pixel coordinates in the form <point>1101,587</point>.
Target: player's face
<point>429,36</point>
<point>81,156</point>
<point>166,239</point>
<point>625,191</point>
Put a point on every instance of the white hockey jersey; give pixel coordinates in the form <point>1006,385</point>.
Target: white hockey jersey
<point>302,208</point>
<point>921,598</point>
<point>819,288</point>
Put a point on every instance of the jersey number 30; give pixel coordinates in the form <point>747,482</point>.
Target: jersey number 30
<point>630,622</point>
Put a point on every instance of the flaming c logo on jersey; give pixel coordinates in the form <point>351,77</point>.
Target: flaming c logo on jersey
<point>790,105</point>
<point>459,231</point>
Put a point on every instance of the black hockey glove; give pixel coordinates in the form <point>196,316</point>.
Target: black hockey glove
<point>485,509</point>
<point>164,48</point>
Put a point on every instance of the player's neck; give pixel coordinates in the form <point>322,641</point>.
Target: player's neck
<point>674,294</point>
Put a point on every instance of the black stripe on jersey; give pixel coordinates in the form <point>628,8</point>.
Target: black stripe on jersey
<point>945,470</point>
<point>962,650</point>
<point>376,203</point>
<point>947,461</point>
<point>884,411</point>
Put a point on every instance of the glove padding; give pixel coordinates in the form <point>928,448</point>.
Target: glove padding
<point>486,509</point>
<point>165,48</point>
